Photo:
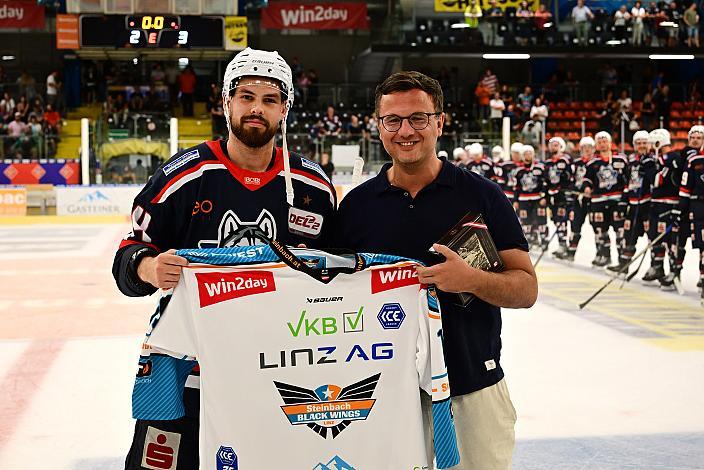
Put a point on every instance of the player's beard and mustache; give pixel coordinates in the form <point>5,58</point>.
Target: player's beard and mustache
<point>253,137</point>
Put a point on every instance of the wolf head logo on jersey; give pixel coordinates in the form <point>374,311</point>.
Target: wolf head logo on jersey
<point>554,174</point>
<point>579,175</point>
<point>234,232</point>
<point>636,180</point>
<point>529,182</point>
<point>608,177</point>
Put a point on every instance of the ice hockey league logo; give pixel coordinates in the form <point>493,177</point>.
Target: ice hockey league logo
<point>235,232</point>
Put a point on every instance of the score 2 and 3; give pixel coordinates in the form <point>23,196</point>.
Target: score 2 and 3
<point>151,23</point>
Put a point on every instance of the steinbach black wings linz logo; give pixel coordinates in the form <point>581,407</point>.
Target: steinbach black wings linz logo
<point>328,407</point>
<point>235,232</point>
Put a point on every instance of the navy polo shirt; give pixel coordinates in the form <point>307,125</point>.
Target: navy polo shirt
<point>377,217</point>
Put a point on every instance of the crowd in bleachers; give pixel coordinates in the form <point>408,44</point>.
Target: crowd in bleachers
<point>648,23</point>
<point>30,121</point>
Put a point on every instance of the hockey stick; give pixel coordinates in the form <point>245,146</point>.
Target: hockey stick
<point>633,274</point>
<point>625,267</point>
<point>545,248</point>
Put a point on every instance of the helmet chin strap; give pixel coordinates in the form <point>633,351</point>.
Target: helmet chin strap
<point>287,164</point>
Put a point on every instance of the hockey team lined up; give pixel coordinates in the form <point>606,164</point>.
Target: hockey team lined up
<point>654,191</point>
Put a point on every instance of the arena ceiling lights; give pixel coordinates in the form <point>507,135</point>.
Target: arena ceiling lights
<point>671,57</point>
<point>495,56</point>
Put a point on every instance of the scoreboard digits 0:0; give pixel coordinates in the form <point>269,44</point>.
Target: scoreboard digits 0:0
<point>151,31</point>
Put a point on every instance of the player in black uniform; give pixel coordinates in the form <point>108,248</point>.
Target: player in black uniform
<point>217,194</point>
<point>692,207</point>
<point>664,212</point>
<point>478,163</point>
<point>604,184</point>
<point>531,198</point>
<point>506,171</point>
<point>580,205</point>
<point>640,175</point>
<point>558,170</point>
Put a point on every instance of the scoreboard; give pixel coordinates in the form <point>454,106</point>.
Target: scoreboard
<point>151,31</point>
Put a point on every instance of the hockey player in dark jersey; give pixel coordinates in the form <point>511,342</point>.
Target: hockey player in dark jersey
<point>478,163</point>
<point>218,194</point>
<point>506,170</point>
<point>691,205</point>
<point>664,212</point>
<point>604,184</point>
<point>558,170</point>
<point>640,175</point>
<point>531,198</point>
<point>580,205</point>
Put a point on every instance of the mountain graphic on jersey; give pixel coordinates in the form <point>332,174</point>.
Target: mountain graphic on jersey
<point>235,232</point>
<point>335,463</point>
<point>329,408</point>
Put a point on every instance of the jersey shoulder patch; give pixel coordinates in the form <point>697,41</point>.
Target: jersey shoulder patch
<point>311,165</point>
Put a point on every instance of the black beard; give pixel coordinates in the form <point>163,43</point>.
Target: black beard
<point>253,137</point>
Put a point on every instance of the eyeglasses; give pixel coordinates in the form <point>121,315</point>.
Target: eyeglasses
<point>418,121</point>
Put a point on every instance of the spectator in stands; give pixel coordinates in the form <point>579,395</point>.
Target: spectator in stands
<point>506,95</point>
<point>582,17</point>
<point>140,172</point>
<point>313,91</point>
<point>483,95</point>
<point>38,109</point>
<point>472,14</point>
<point>136,103</point>
<point>171,72</point>
<point>657,16</point>
<point>531,134</point>
<point>621,17</point>
<point>326,164</point>
<point>539,114</point>
<point>36,134</point>
<point>638,22</point>
<point>27,85</point>
<point>22,107</point>
<point>52,119</point>
<point>120,111</point>
<point>494,15</point>
<point>187,87</point>
<point>7,107</point>
<point>490,81</point>
<point>663,105</point>
<point>332,125</point>
<point>691,19</point>
<point>52,89</point>
<point>625,103</point>
<point>571,85</point>
<point>355,129</point>
<point>525,102</point>
<point>16,130</point>
<point>372,125</point>
<point>675,16</point>
<point>543,18</point>
<point>609,76</point>
<point>89,83</point>
<point>217,114</point>
<point>524,21</point>
<point>128,176</point>
<point>496,113</point>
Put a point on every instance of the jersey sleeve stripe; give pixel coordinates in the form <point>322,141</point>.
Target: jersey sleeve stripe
<point>312,181</point>
<point>183,178</point>
<point>125,243</point>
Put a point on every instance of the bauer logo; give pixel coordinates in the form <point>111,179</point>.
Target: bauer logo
<point>219,287</point>
<point>226,458</point>
<point>393,278</point>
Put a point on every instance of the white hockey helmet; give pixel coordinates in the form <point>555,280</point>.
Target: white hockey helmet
<point>560,141</point>
<point>517,147</point>
<point>266,64</point>
<point>659,138</point>
<point>696,129</point>
<point>602,135</point>
<point>526,149</point>
<point>442,154</point>
<point>640,135</point>
<point>476,149</point>
<point>458,152</point>
<point>587,140</point>
<point>497,151</point>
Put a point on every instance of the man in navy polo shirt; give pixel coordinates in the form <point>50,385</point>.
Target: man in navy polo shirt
<point>404,211</point>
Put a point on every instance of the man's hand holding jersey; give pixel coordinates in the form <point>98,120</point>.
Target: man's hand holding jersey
<point>162,271</point>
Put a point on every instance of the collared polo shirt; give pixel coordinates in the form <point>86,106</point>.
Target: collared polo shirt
<point>377,217</point>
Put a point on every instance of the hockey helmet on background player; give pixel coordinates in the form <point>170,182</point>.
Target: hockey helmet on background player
<point>476,149</point>
<point>659,138</point>
<point>602,135</point>
<point>562,146</point>
<point>587,140</point>
<point>458,153</point>
<point>695,137</point>
<point>497,152</point>
<point>640,136</point>
<point>517,147</point>
<point>696,129</point>
<point>442,154</point>
<point>266,64</point>
<point>528,150</point>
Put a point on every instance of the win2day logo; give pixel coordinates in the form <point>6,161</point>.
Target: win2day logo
<point>218,287</point>
<point>328,409</point>
<point>392,278</point>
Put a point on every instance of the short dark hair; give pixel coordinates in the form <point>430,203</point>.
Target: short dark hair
<point>409,80</point>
